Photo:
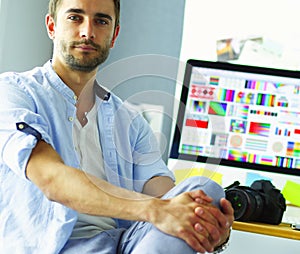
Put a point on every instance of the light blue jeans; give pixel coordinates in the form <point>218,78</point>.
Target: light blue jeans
<point>143,237</point>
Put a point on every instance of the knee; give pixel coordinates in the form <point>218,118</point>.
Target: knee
<point>210,187</point>
<point>196,182</point>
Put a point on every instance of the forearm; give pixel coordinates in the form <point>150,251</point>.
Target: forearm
<point>158,186</point>
<point>82,192</point>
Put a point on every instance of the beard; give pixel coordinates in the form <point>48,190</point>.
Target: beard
<point>86,63</point>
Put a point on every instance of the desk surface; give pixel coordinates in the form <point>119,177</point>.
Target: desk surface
<point>281,230</point>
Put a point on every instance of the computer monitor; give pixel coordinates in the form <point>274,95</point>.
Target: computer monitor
<point>239,116</point>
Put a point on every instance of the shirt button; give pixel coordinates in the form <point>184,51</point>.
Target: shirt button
<point>71,119</point>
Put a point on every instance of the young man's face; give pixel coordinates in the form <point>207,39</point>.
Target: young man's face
<point>83,33</point>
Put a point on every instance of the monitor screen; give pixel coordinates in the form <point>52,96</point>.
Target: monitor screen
<point>239,116</point>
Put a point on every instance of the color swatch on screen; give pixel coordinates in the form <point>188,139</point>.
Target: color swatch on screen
<point>297,131</point>
<point>267,100</point>
<point>260,129</point>
<point>190,149</point>
<point>293,149</point>
<point>256,144</point>
<point>263,113</point>
<point>202,92</point>
<point>238,126</point>
<point>246,98</point>
<point>219,139</point>
<point>217,108</point>
<point>297,90</point>
<point>284,162</point>
<point>226,95</point>
<point>282,132</point>
<point>198,106</point>
<point>198,121</point>
<point>253,158</point>
<point>282,104</point>
<point>266,160</point>
<point>240,111</point>
<point>256,85</point>
<point>237,155</point>
<point>297,163</point>
<point>214,81</point>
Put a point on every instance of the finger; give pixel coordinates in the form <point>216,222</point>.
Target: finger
<point>201,195</point>
<point>201,201</point>
<point>223,220</point>
<point>213,232</point>
<point>197,242</point>
<point>205,214</point>
<point>208,224</point>
<point>228,211</point>
<point>226,206</point>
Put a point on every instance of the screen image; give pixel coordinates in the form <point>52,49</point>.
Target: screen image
<point>240,116</point>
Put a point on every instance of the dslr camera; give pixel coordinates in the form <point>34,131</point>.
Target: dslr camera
<point>261,202</point>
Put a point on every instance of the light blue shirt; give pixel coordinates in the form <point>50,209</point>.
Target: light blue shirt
<point>29,222</point>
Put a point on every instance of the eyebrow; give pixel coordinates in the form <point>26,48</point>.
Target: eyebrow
<point>98,14</point>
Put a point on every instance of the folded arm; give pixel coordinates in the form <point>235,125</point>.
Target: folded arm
<point>212,223</point>
<point>88,194</point>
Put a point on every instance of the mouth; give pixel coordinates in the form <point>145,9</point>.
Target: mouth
<point>84,47</point>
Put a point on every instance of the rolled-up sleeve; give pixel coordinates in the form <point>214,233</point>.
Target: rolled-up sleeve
<point>17,106</point>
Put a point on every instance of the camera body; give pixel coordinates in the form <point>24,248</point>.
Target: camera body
<point>261,202</point>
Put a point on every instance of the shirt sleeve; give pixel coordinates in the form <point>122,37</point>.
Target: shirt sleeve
<point>20,124</point>
<point>147,158</point>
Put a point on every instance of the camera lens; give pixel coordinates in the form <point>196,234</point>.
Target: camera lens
<point>247,203</point>
<point>238,202</point>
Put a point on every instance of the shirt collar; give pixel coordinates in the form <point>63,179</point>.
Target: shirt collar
<point>62,88</point>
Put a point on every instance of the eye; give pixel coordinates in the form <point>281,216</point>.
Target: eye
<point>74,18</point>
<point>101,21</point>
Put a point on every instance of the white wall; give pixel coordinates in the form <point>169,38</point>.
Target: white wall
<point>275,21</point>
<point>23,39</point>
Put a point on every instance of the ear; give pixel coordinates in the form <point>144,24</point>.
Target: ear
<point>116,33</point>
<point>50,25</point>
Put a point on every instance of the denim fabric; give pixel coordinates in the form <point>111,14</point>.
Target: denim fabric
<point>143,237</point>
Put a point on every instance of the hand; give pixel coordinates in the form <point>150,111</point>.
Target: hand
<point>178,217</point>
<point>214,223</point>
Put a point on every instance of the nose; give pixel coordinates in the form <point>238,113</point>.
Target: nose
<point>87,30</point>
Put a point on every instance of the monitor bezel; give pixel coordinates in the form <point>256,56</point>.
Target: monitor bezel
<point>190,64</point>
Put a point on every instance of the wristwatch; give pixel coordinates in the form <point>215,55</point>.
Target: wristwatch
<point>222,247</point>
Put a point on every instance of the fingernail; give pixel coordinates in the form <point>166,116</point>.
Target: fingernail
<point>199,211</point>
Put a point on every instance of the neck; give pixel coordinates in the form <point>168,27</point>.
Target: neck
<point>75,80</point>
<point>82,84</point>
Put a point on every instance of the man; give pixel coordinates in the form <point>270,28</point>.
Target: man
<point>77,166</point>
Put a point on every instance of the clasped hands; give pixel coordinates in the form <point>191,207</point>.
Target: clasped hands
<point>192,217</point>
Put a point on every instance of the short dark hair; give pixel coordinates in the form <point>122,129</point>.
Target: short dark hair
<point>53,4</point>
